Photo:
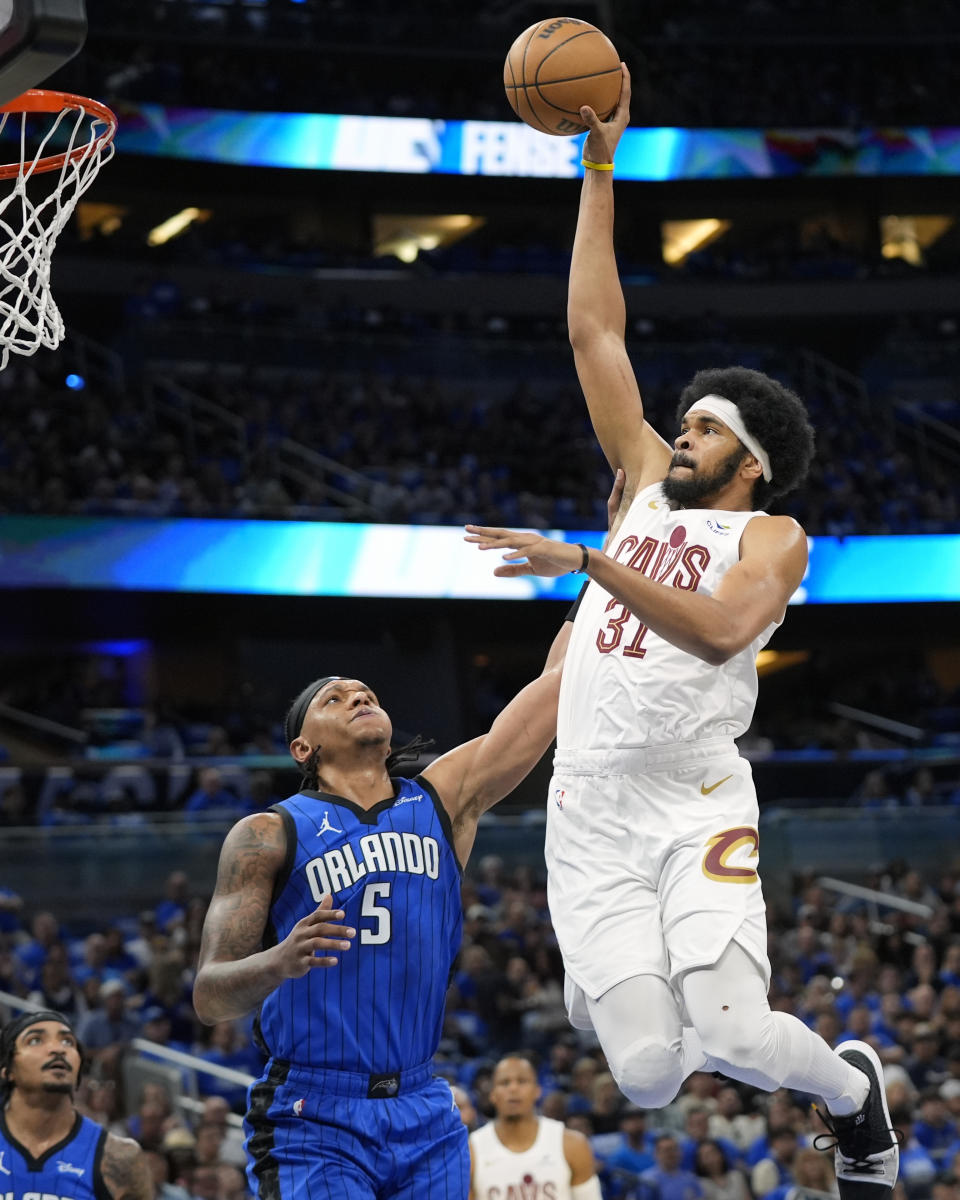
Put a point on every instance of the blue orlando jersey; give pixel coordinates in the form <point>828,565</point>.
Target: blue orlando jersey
<point>70,1170</point>
<point>393,871</point>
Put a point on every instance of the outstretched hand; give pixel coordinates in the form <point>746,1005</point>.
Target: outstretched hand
<point>603,137</point>
<point>544,556</point>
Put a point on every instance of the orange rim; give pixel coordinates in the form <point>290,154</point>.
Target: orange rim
<point>39,100</point>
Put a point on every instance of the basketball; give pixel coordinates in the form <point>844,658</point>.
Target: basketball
<point>556,66</point>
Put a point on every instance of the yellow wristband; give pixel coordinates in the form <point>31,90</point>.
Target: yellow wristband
<point>597,166</point>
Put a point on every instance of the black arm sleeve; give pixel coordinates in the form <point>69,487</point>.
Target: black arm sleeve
<point>576,604</point>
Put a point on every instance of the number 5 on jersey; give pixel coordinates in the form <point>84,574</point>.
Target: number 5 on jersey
<point>380,933</point>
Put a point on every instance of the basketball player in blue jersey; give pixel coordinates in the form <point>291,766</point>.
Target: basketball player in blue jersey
<point>47,1149</point>
<point>337,914</point>
<point>652,844</point>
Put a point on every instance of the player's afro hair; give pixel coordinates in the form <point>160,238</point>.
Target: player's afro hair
<point>772,413</point>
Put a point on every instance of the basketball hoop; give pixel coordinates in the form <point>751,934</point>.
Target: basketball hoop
<point>29,317</point>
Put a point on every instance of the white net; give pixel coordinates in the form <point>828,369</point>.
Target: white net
<point>29,228</point>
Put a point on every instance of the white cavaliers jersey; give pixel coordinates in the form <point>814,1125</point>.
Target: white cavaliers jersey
<point>540,1173</point>
<point>624,686</point>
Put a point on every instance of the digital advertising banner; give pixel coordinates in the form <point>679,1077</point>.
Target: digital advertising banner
<point>300,558</point>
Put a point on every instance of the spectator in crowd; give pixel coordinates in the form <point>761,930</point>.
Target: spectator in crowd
<point>32,953</point>
<point>56,988</point>
<point>917,1168</point>
<point>582,1078</point>
<point>925,1065</point>
<point>163,1189</point>
<point>149,1125</point>
<point>466,1107</point>
<point>718,1177</point>
<point>697,1130</point>
<point>172,908</point>
<point>228,1048</point>
<point>729,1123</point>
<point>106,1031</point>
<point>212,798</point>
<point>633,1150</point>
<point>776,1168</point>
<point>667,1179</point>
<point>935,1130</point>
<point>812,1177</point>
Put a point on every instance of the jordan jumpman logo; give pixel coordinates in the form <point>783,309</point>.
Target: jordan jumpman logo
<point>326,827</point>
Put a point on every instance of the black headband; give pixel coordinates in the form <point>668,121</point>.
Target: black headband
<point>297,712</point>
<point>12,1030</point>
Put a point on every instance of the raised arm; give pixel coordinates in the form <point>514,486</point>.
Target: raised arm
<point>474,776</point>
<point>235,974</point>
<point>596,316</point>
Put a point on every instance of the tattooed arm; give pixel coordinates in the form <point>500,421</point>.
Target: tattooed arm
<point>235,974</point>
<point>124,1169</point>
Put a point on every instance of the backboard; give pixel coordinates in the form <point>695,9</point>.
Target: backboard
<point>36,38</point>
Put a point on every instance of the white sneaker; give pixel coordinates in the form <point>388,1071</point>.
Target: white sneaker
<point>867,1147</point>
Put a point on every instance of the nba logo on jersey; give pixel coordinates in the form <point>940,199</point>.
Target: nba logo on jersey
<point>558,795</point>
<point>298,1108</point>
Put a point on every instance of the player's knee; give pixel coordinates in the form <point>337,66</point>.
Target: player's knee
<point>648,1073</point>
<point>730,1039</point>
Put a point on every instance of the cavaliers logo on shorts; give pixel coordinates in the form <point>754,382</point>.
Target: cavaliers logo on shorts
<point>721,848</point>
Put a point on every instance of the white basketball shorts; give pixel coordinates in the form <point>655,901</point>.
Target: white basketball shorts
<point>652,859</point>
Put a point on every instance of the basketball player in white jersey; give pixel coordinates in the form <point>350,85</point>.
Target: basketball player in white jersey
<point>523,1156</point>
<point>652,844</point>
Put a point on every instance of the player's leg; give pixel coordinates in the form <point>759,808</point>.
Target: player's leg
<point>300,1147</point>
<point>646,1046</point>
<point>714,921</point>
<point>425,1150</point>
<point>727,1004</point>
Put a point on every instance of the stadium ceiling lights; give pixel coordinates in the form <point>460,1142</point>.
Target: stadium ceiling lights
<point>405,235</point>
<point>679,239</point>
<point>174,226</point>
<point>907,237</point>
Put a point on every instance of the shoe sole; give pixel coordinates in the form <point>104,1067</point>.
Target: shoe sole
<point>865,1189</point>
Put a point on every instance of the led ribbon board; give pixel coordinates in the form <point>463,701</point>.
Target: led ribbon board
<point>418,145</point>
<point>299,558</point>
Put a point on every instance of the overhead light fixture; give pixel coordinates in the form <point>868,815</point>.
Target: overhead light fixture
<point>173,226</point>
<point>679,239</point>
<point>405,235</point>
<point>908,237</point>
<point>770,661</point>
<point>93,219</point>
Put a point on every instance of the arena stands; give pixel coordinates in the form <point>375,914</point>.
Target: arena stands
<point>858,65</point>
<point>893,979</point>
<point>279,361</point>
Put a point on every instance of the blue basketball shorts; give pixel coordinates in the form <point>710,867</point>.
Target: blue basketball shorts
<point>338,1135</point>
